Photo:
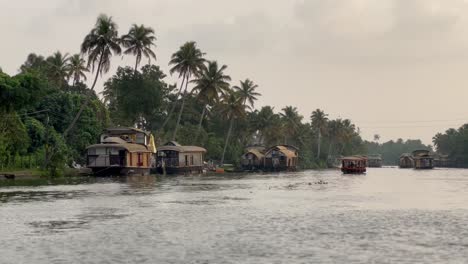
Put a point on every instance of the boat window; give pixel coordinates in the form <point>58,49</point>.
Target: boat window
<point>140,138</point>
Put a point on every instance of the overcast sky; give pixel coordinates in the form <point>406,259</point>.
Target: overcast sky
<point>397,68</point>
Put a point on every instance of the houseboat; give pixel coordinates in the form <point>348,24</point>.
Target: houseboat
<point>406,161</point>
<point>281,158</point>
<point>423,159</point>
<point>375,161</point>
<point>173,158</point>
<point>122,151</point>
<point>253,158</point>
<point>354,165</point>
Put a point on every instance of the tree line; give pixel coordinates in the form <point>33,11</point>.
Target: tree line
<point>48,110</point>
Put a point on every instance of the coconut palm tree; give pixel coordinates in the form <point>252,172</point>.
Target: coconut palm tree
<point>138,41</point>
<point>100,45</point>
<point>291,122</point>
<point>187,61</point>
<point>57,67</point>
<point>209,86</point>
<point>77,68</point>
<point>319,124</point>
<point>247,92</point>
<point>232,108</point>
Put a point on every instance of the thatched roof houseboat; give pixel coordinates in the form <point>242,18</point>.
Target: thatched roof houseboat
<point>375,161</point>
<point>253,158</point>
<point>281,157</point>
<point>122,151</point>
<point>406,161</point>
<point>423,159</point>
<point>173,158</point>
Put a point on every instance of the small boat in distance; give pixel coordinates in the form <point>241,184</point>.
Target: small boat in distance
<point>354,165</point>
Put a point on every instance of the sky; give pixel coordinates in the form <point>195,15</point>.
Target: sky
<point>397,68</point>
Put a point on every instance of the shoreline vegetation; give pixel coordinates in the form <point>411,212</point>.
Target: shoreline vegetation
<point>49,115</point>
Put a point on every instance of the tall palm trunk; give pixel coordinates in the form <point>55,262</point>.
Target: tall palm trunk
<point>86,102</point>
<point>318,144</point>
<point>184,97</point>
<point>200,123</point>
<point>174,104</point>
<point>227,140</point>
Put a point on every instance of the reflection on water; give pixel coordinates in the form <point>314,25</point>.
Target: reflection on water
<point>386,216</point>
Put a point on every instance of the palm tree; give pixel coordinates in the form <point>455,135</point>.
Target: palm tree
<point>100,45</point>
<point>210,84</point>
<point>319,123</point>
<point>35,63</point>
<point>187,61</point>
<point>76,68</point>
<point>139,42</point>
<point>57,67</point>
<point>291,122</point>
<point>232,108</point>
<point>376,138</point>
<point>247,92</point>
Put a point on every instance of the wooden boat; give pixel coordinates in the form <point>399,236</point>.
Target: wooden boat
<point>406,161</point>
<point>122,151</point>
<point>354,165</point>
<point>173,158</point>
<point>423,160</point>
<point>375,161</point>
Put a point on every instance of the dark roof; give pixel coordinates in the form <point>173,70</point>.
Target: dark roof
<point>130,147</point>
<point>172,143</point>
<point>283,149</point>
<point>256,152</point>
<point>354,158</point>
<point>182,148</point>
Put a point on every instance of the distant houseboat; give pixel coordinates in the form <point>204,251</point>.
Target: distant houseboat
<point>173,158</point>
<point>406,161</point>
<point>122,151</point>
<point>253,159</point>
<point>374,161</point>
<point>423,159</point>
<point>281,158</point>
<point>353,165</point>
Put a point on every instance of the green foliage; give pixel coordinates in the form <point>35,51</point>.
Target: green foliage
<point>136,97</point>
<point>392,150</point>
<point>454,143</point>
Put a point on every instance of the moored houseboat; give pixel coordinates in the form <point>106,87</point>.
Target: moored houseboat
<point>423,159</point>
<point>253,158</point>
<point>122,151</point>
<point>375,161</point>
<point>173,158</point>
<point>354,165</point>
<point>406,161</point>
<point>281,158</point>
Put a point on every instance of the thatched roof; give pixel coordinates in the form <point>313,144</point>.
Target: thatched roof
<point>255,152</point>
<point>283,149</point>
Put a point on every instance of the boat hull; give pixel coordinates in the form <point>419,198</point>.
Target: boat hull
<point>119,171</point>
<point>353,170</point>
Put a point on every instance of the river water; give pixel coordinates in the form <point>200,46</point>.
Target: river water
<point>387,216</point>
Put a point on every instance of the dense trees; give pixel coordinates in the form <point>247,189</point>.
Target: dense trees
<point>392,150</point>
<point>47,99</point>
<point>454,143</point>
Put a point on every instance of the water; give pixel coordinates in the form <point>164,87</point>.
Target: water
<point>387,216</point>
